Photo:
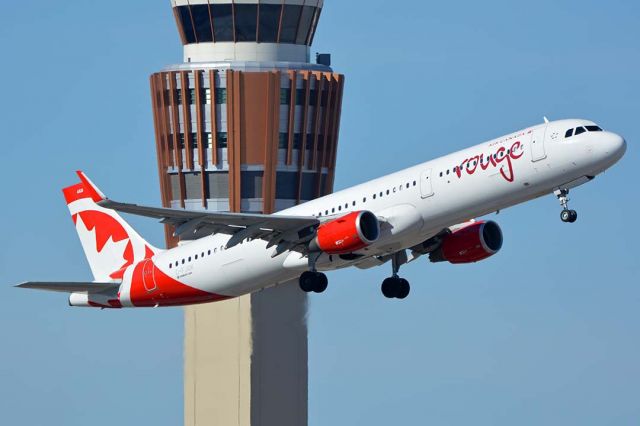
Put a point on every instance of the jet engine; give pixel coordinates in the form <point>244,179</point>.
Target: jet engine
<point>469,244</point>
<point>349,233</point>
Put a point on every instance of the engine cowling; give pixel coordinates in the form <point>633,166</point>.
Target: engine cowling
<point>349,233</point>
<point>469,244</point>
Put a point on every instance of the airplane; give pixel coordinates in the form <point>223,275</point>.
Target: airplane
<point>427,210</point>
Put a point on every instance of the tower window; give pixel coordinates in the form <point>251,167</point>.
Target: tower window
<point>269,21</point>
<point>246,22</point>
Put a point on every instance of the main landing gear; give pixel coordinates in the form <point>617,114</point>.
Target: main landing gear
<point>395,287</point>
<point>312,280</point>
<point>567,216</point>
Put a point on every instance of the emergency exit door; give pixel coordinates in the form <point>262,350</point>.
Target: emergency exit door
<point>426,186</point>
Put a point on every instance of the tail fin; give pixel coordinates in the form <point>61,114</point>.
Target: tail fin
<point>109,243</point>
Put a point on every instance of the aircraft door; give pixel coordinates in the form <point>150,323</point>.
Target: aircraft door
<point>148,278</point>
<point>426,186</point>
<point>537,144</point>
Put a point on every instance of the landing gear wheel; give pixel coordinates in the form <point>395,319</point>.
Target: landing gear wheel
<point>395,288</point>
<point>568,216</point>
<point>307,281</point>
<point>403,289</point>
<point>389,288</point>
<point>321,283</point>
<point>316,282</point>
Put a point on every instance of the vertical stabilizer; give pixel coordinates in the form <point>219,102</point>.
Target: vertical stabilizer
<point>110,244</point>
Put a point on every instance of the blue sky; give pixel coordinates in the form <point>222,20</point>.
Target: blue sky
<point>546,332</point>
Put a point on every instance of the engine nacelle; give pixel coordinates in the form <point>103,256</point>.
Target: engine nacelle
<point>469,244</point>
<point>349,233</point>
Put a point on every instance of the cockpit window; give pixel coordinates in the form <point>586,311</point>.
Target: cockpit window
<point>580,130</point>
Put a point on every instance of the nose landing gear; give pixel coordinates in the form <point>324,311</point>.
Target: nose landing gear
<point>567,216</point>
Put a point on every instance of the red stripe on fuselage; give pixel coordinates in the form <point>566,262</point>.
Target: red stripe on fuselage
<point>167,291</point>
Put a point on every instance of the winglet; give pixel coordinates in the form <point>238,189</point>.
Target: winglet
<point>92,190</point>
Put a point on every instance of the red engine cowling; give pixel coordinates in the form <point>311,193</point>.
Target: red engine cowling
<point>472,243</point>
<point>348,233</point>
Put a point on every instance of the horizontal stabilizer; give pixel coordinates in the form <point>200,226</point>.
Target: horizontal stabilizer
<point>70,287</point>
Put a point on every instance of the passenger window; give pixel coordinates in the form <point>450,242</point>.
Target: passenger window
<point>189,258</point>
<point>354,204</point>
<point>183,261</point>
<point>196,257</point>
<point>387,192</point>
<point>177,264</point>
<point>569,133</point>
<point>333,210</point>
<point>364,200</point>
<point>170,265</point>
<point>339,208</point>
<point>580,130</point>
<point>209,252</point>
<point>346,206</point>
<point>409,185</point>
<point>374,196</point>
<point>326,212</point>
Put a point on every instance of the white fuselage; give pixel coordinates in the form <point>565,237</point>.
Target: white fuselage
<point>414,204</point>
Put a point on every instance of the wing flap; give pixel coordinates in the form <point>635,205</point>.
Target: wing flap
<point>70,287</point>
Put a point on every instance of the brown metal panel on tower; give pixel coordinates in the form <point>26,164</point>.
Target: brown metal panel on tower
<point>335,133</point>
<point>303,129</point>
<point>272,112</point>
<point>176,134</point>
<point>234,111</point>
<point>186,118</point>
<point>316,121</point>
<point>197,77</point>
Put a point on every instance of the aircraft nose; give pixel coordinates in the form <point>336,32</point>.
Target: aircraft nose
<point>616,146</point>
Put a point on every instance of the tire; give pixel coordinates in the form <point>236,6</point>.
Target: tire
<point>573,216</point>
<point>389,288</point>
<point>307,281</point>
<point>565,216</point>
<point>403,289</point>
<point>320,283</point>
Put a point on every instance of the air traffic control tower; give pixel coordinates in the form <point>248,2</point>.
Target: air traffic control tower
<point>247,123</point>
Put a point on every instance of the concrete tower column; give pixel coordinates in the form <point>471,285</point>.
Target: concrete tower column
<point>246,124</point>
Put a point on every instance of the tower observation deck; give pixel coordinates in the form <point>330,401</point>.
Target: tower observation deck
<point>246,123</point>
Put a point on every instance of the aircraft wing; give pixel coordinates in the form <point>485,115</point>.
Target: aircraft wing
<point>283,231</point>
<point>70,287</point>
